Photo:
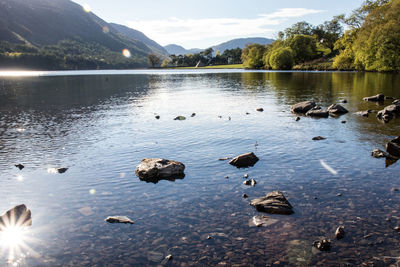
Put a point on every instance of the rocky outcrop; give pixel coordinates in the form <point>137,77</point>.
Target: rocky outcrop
<point>154,169</point>
<point>244,160</point>
<point>119,219</point>
<point>375,98</point>
<point>388,113</point>
<point>274,202</point>
<point>18,216</point>
<point>337,109</point>
<point>377,153</point>
<point>302,107</point>
<point>317,112</point>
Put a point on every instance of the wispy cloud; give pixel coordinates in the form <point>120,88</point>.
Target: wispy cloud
<point>198,31</point>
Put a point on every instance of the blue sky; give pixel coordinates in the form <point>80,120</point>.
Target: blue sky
<point>204,23</point>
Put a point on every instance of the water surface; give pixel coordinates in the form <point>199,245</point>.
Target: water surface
<point>101,124</point>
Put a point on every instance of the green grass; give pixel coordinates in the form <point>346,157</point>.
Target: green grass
<point>232,66</point>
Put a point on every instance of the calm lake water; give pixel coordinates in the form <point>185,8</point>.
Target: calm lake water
<point>101,124</point>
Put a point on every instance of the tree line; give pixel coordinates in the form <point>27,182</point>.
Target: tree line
<point>372,42</point>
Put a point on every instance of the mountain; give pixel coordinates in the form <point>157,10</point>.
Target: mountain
<point>42,23</point>
<point>137,35</point>
<point>174,49</point>
<point>241,43</point>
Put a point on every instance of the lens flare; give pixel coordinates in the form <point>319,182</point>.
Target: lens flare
<point>126,53</point>
<point>106,29</point>
<point>86,8</point>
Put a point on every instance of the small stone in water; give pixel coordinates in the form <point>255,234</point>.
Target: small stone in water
<point>323,245</point>
<point>20,166</point>
<point>394,189</point>
<point>260,109</point>
<point>339,232</point>
<point>62,170</point>
<point>251,182</point>
<point>119,219</point>
<point>297,118</point>
<point>166,259</point>
<point>343,121</point>
<point>227,177</point>
<point>246,175</point>
<point>397,229</point>
<point>180,118</point>
<point>193,114</point>
<point>244,196</point>
<point>317,138</point>
<point>209,237</point>
<point>339,194</point>
<point>157,117</point>
<point>247,113</point>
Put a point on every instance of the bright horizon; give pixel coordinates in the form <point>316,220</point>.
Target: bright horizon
<point>194,25</point>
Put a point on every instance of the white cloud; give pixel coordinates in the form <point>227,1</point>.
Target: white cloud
<point>203,32</point>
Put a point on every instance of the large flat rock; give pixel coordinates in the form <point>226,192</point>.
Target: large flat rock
<point>274,202</point>
<point>302,107</point>
<point>155,169</point>
<point>244,160</point>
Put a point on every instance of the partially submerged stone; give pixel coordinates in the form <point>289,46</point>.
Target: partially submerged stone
<point>377,153</point>
<point>251,182</point>
<point>376,98</point>
<point>364,113</point>
<point>274,202</point>
<point>155,169</point>
<point>20,166</point>
<point>339,233</point>
<point>244,160</point>
<point>302,107</point>
<point>323,244</point>
<point>388,113</point>
<point>317,138</point>
<point>260,109</point>
<point>262,220</point>
<point>19,216</point>
<point>180,118</point>
<point>62,170</point>
<point>337,109</point>
<point>119,219</point>
<point>317,112</point>
<point>393,147</point>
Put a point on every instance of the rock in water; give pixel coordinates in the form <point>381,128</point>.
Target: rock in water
<point>251,182</point>
<point>323,244</point>
<point>180,118</point>
<point>153,170</point>
<point>244,160</point>
<point>364,113</point>
<point>62,170</point>
<point>193,114</point>
<point>157,117</point>
<point>393,147</point>
<point>388,113</point>
<point>118,219</point>
<point>274,202</point>
<point>337,109</point>
<point>377,153</point>
<point>18,216</point>
<point>375,98</point>
<point>302,107</point>
<point>339,233</point>
<point>260,109</point>
<point>317,138</point>
<point>297,119</point>
<point>20,166</point>
<point>317,112</point>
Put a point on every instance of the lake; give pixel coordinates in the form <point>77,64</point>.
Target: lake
<point>101,124</point>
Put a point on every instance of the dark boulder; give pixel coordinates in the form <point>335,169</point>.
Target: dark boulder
<point>154,170</point>
<point>274,202</point>
<point>302,107</point>
<point>244,160</point>
<point>375,98</point>
<point>388,113</point>
<point>337,109</point>
<point>393,147</point>
<point>317,112</point>
<point>318,138</point>
<point>18,216</point>
<point>20,166</point>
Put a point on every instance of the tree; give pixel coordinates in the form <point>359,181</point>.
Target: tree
<point>328,33</point>
<point>252,56</point>
<point>281,59</point>
<point>301,27</point>
<point>154,60</point>
<point>304,48</point>
<point>165,63</point>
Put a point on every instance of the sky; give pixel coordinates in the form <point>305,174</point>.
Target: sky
<point>202,24</point>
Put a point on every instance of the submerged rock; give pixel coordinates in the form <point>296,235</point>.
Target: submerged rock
<point>317,138</point>
<point>377,153</point>
<point>274,202</point>
<point>119,219</point>
<point>20,166</point>
<point>19,216</point>
<point>339,233</point>
<point>317,112</point>
<point>393,147</point>
<point>302,107</point>
<point>323,244</point>
<point>376,98</point>
<point>244,160</point>
<point>364,113</point>
<point>337,109</point>
<point>262,220</point>
<point>193,114</point>
<point>155,169</point>
<point>251,182</point>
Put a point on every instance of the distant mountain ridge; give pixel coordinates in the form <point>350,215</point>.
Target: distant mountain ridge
<point>47,22</point>
<point>174,49</point>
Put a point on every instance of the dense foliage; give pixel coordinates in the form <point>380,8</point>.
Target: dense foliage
<point>67,54</point>
<point>205,58</point>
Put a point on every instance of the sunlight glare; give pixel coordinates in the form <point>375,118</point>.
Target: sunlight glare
<point>86,8</point>
<point>106,29</point>
<point>327,167</point>
<point>52,170</point>
<point>126,53</point>
<point>12,236</point>
<point>20,178</point>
